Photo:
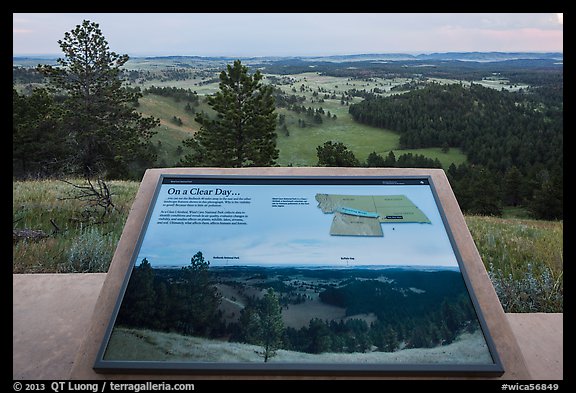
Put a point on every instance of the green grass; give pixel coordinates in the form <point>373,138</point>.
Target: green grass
<point>523,257</point>
<point>167,140</point>
<point>169,136</point>
<point>165,108</point>
<point>299,148</point>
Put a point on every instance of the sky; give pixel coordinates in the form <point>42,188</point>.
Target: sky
<point>295,34</point>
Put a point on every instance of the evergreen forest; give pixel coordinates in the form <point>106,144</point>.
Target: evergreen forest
<point>409,308</point>
<point>513,140</point>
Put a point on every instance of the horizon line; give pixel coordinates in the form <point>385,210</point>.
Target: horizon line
<point>410,53</point>
<point>318,266</point>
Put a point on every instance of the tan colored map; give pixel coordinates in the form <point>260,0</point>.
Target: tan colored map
<point>349,225</point>
<point>361,215</point>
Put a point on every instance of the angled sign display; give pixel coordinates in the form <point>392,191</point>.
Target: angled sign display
<point>305,274</point>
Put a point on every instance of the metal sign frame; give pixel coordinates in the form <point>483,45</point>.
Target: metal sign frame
<point>211,188</point>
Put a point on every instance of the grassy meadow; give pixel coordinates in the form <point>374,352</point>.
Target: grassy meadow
<point>523,257</point>
<point>169,135</point>
<point>298,146</point>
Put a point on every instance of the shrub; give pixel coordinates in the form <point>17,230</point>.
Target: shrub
<point>90,253</point>
<point>531,293</point>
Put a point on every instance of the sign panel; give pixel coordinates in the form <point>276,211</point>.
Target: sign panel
<point>297,274</point>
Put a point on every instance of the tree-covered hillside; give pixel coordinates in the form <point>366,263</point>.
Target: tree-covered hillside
<point>494,128</point>
<point>517,136</point>
<point>412,307</point>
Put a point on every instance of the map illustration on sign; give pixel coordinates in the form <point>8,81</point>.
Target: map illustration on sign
<point>361,215</point>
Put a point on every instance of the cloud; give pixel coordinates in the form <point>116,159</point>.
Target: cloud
<point>269,34</point>
<point>496,39</point>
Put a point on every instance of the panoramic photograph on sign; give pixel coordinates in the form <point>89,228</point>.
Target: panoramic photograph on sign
<point>297,274</point>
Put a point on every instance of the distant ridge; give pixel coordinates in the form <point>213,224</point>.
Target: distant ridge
<point>461,56</point>
<point>493,56</point>
<point>427,268</point>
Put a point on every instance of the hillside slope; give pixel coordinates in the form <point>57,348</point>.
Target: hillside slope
<point>140,344</point>
<point>297,146</point>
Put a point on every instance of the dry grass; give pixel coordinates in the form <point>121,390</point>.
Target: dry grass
<point>524,257</point>
<point>142,344</point>
<point>79,240</point>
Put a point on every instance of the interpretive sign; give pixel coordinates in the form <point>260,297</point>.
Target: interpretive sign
<point>297,274</point>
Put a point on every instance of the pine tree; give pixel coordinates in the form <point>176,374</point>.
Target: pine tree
<point>105,131</point>
<point>374,160</point>
<point>261,324</point>
<point>390,339</point>
<point>390,160</point>
<point>319,333</point>
<point>272,324</point>
<point>511,186</point>
<point>244,131</point>
<point>335,154</point>
<point>486,199</point>
<point>37,138</point>
<point>139,304</point>
<point>548,200</point>
<point>200,297</point>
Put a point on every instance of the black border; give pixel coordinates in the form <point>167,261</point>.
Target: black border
<point>248,368</point>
